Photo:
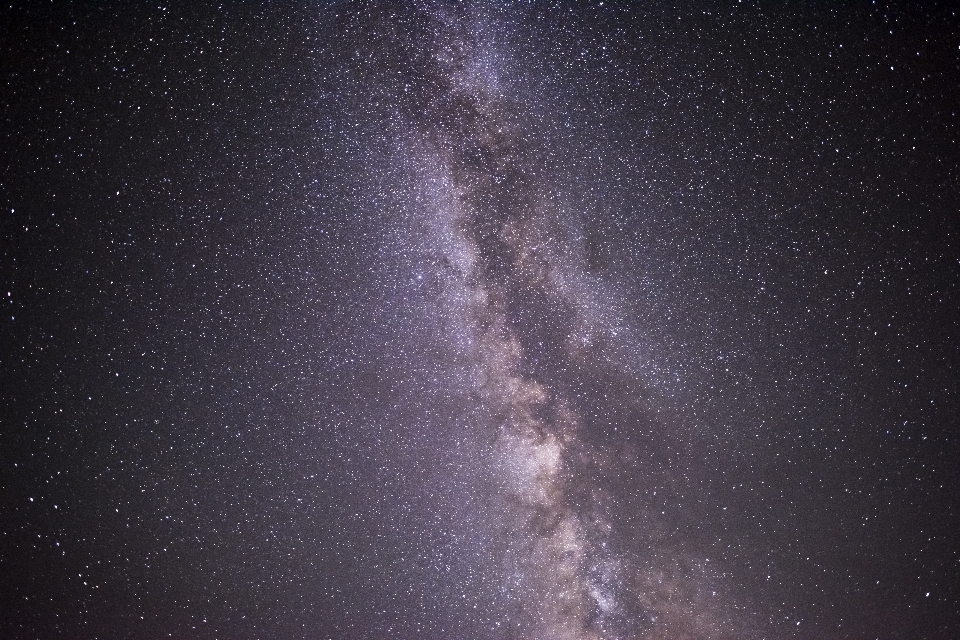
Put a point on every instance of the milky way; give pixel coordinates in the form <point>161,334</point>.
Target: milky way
<point>550,415</point>
<point>540,321</point>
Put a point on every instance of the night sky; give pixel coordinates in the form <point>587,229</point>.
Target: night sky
<point>540,321</point>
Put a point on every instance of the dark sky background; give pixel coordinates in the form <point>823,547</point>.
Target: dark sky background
<point>542,321</point>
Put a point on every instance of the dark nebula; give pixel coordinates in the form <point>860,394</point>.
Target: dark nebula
<point>546,321</point>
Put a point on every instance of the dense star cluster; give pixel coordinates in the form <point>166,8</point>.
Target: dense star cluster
<point>540,321</point>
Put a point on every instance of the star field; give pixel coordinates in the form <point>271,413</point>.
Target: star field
<point>479,320</point>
